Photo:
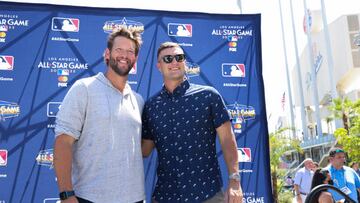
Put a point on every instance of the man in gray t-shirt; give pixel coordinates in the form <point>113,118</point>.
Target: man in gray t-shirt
<point>97,152</point>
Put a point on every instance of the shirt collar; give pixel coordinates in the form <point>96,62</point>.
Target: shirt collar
<point>100,76</point>
<point>179,90</point>
<point>332,168</point>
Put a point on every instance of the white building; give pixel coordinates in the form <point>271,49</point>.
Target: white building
<point>346,76</point>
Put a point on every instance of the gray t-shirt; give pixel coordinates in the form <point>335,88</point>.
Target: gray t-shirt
<point>107,161</point>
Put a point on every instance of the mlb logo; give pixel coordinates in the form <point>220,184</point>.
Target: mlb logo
<point>133,69</point>
<point>179,30</point>
<point>6,62</point>
<point>63,72</point>
<point>4,28</point>
<point>244,155</point>
<point>65,24</point>
<point>53,108</point>
<point>232,38</point>
<point>3,157</point>
<point>233,70</point>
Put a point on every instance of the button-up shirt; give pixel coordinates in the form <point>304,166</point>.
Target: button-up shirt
<point>303,178</point>
<point>183,126</point>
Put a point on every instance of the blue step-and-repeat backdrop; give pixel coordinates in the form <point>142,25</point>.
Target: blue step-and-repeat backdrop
<point>44,49</point>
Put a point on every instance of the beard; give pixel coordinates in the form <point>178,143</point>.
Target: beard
<point>115,67</point>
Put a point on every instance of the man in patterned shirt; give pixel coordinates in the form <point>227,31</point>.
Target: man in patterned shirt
<point>181,122</point>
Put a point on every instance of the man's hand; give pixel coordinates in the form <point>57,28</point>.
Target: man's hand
<point>234,192</point>
<point>298,199</point>
<point>72,199</point>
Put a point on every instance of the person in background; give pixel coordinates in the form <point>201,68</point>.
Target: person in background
<point>345,178</point>
<point>97,152</point>
<point>316,166</point>
<point>289,183</point>
<point>321,176</point>
<point>355,166</point>
<point>181,121</point>
<point>302,181</point>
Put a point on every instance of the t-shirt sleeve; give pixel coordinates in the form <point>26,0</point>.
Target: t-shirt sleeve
<point>71,115</point>
<point>297,179</point>
<point>219,112</point>
<point>146,131</point>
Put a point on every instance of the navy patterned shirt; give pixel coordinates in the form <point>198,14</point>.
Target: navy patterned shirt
<point>183,126</point>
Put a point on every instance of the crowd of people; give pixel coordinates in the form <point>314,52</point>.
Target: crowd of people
<point>337,174</point>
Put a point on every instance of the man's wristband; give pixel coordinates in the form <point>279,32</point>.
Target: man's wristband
<point>235,176</point>
<point>66,194</point>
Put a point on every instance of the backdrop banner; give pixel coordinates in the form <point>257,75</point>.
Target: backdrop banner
<point>44,49</point>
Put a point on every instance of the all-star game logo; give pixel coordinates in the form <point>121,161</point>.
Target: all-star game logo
<point>109,26</point>
<point>239,114</point>
<point>233,34</point>
<point>10,22</point>
<point>46,158</point>
<point>8,110</point>
<point>192,69</point>
<point>62,68</point>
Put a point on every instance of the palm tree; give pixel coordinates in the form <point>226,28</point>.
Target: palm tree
<point>342,109</point>
<point>349,136</point>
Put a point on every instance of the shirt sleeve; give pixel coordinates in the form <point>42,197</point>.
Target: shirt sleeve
<point>297,179</point>
<point>72,112</point>
<point>219,112</point>
<point>146,131</point>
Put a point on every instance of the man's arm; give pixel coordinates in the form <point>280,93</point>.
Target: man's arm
<point>63,162</point>
<point>297,183</point>
<point>146,147</point>
<point>297,193</point>
<point>229,148</point>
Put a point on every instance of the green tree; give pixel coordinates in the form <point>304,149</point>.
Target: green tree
<point>342,109</point>
<point>279,144</point>
<point>349,136</point>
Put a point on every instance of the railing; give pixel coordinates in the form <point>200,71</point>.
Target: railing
<point>317,141</point>
<point>320,188</point>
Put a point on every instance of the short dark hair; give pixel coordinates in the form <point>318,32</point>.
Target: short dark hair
<point>166,45</point>
<point>133,33</point>
<point>334,151</point>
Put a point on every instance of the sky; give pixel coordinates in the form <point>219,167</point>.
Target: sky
<point>274,68</point>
